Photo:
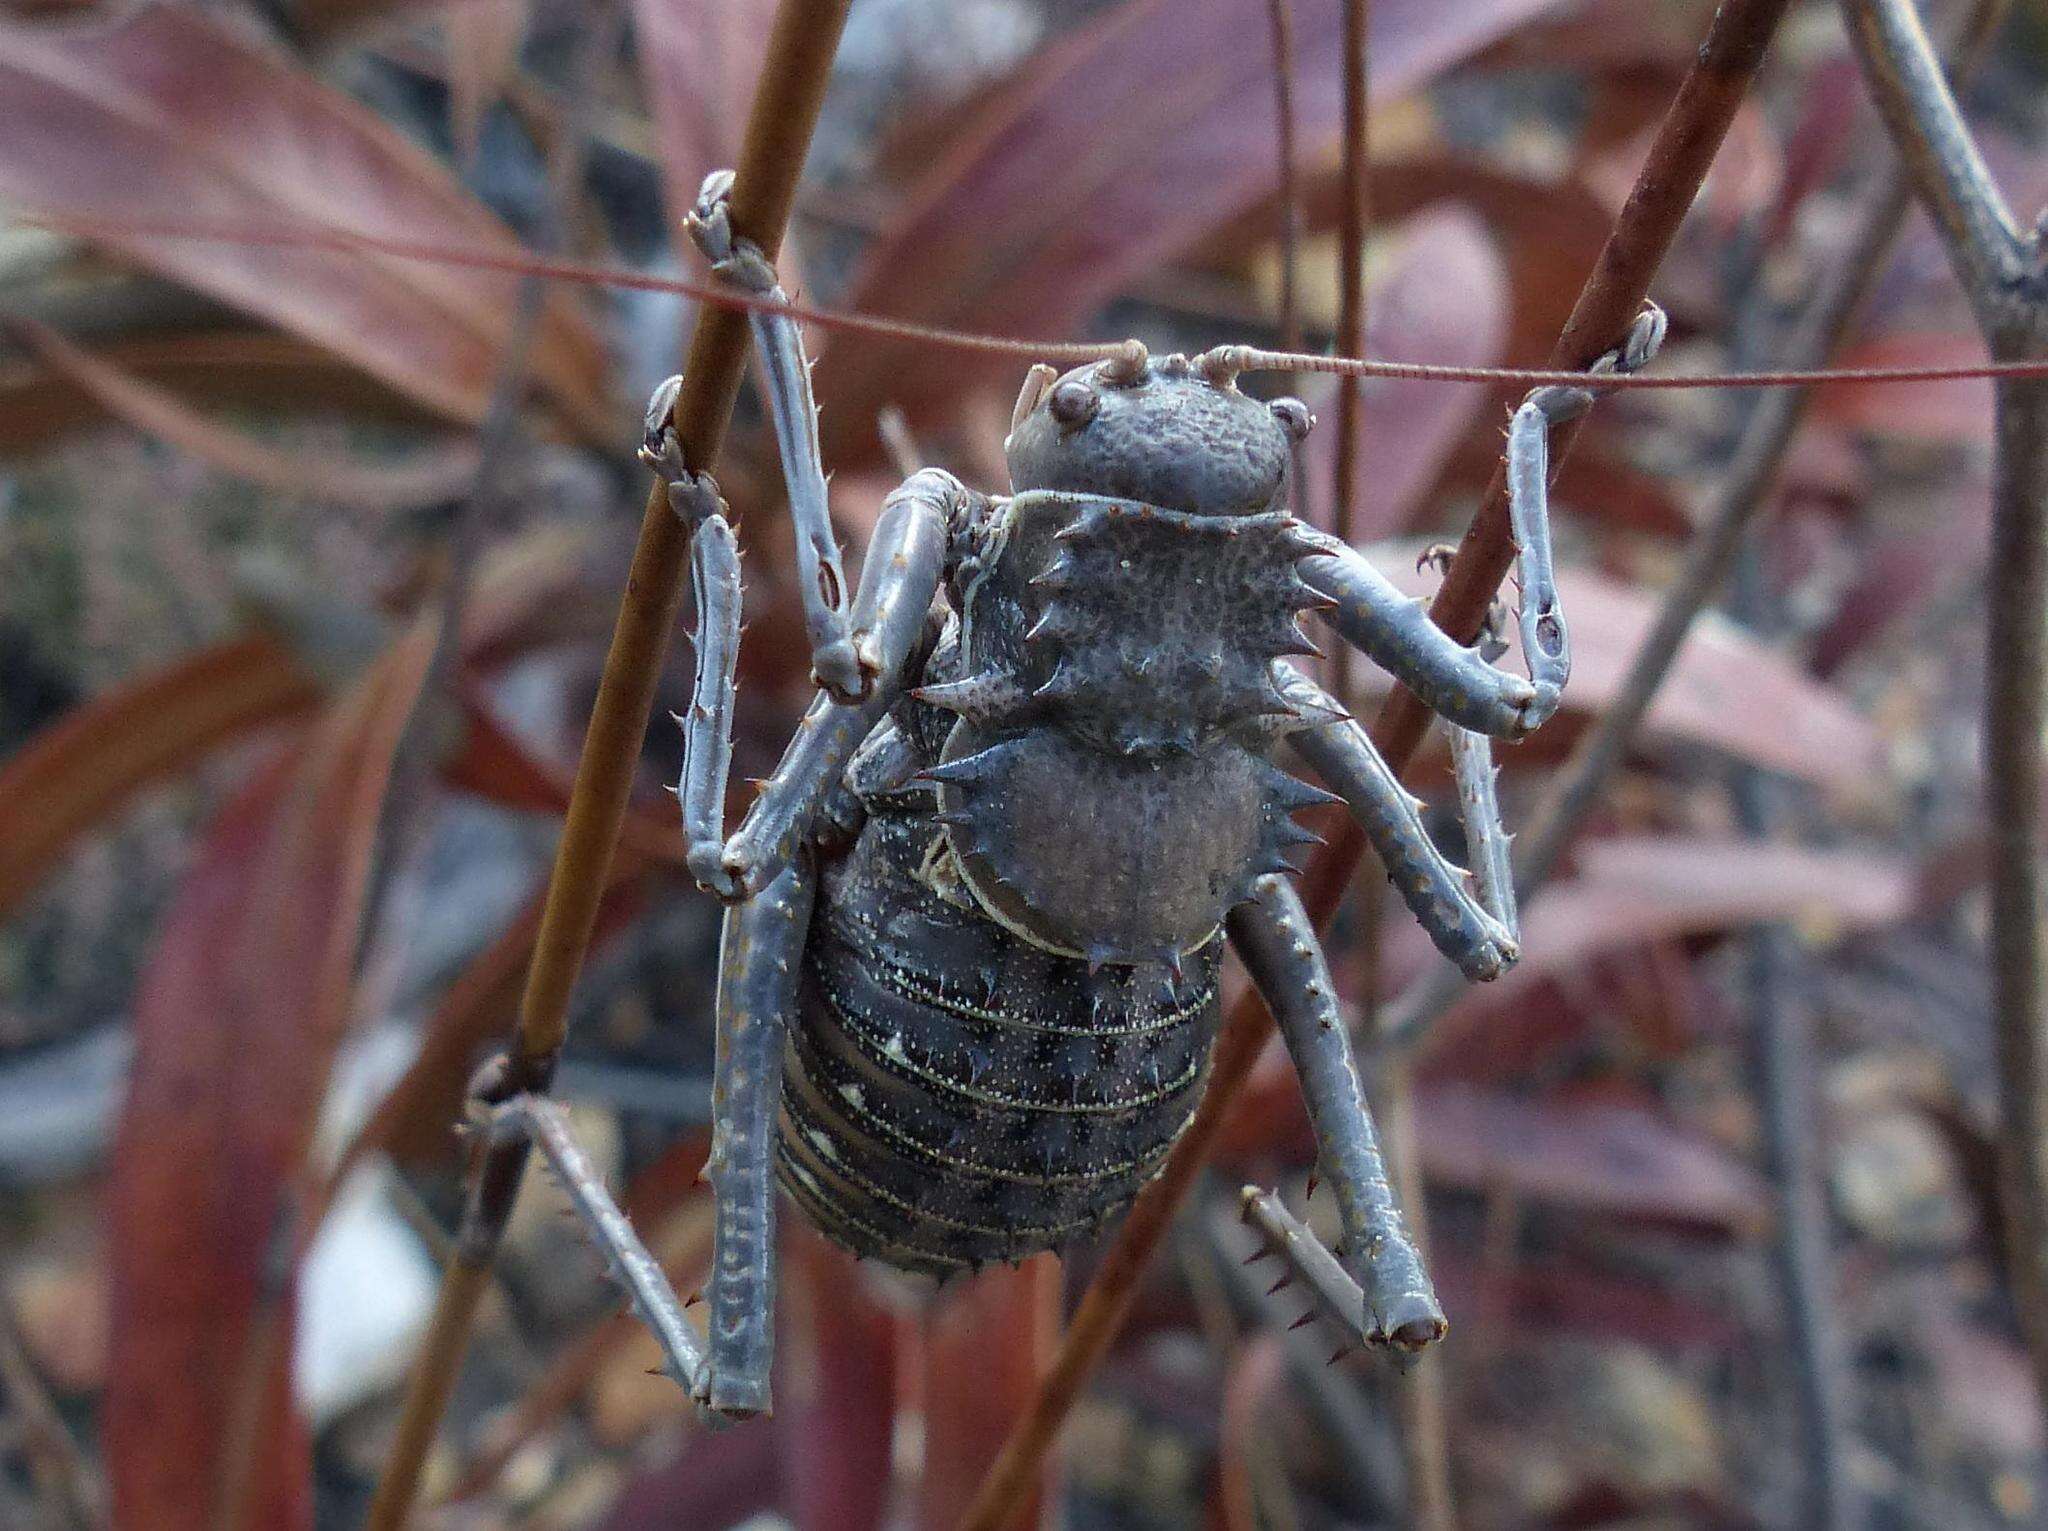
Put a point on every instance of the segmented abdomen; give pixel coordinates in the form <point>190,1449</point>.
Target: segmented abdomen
<point>953,1095</point>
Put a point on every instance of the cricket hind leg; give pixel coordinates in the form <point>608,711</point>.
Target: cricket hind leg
<point>1272,933</point>
<point>546,1125</point>
<point>760,957</point>
<point>760,961</point>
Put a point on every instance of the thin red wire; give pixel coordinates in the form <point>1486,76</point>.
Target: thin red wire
<point>1077,352</point>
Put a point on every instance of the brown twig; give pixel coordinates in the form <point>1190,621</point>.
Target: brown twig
<point>2001,270</point>
<point>1353,214</point>
<point>779,126</point>
<point>1281,15</point>
<point>1649,220</point>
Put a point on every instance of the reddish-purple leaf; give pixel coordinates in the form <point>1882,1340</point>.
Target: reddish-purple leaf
<point>168,114</point>
<point>237,1017</point>
<point>986,1346</point>
<point>835,1386</point>
<point>87,764</point>
<point>1120,146</point>
<point>1548,1296</point>
<point>1547,232</point>
<point>1632,892</point>
<point>1956,411</point>
<point>437,475</point>
<point>1615,1160</point>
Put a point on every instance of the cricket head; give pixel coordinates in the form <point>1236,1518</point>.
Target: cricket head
<point>1161,431</point>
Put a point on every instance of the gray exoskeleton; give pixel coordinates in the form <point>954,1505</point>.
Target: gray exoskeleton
<point>968,983</point>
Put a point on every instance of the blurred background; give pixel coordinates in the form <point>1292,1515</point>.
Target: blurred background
<point>307,561</point>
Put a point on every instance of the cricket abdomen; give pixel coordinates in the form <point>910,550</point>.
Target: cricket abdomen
<point>954,1095</point>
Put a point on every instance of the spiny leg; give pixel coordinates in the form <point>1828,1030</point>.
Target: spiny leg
<point>715,582</point>
<point>1394,630</point>
<point>1486,840</point>
<point>546,1124</point>
<point>836,664</point>
<point>898,580</point>
<point>759,960</point>
<point>1274,936</point>
<point>1468,930</point>
<point>1455,681</point>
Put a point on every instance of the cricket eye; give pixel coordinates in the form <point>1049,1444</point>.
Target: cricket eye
<point>1073,404</point>
<point>1294,418</point>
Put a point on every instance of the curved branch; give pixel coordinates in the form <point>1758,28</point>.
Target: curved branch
<point>1911,91</point>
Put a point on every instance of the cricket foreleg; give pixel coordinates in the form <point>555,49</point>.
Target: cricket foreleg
<point>1545,647</point>
<point>836,664</point>
<point>1457,682</point>
<point>1452,680</point>
<point>1468,929</point>
<point>891,618</point>
<point>760,957</point>
<point>715,582</point>
<point>1273,935</point>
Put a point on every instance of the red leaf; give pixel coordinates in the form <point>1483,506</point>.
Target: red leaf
<point>237,1017</point>
<point>835,1413</point>
<point>438,475</point>
<point>1602,1158</point>
<point>1093,168</point>
<point>83,767</point>
<point>1951,412</point>
<point>168,114</point>
<point>1626,895</point>
<point>1629,893</point>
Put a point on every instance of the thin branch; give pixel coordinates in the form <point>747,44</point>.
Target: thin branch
<point>1956,188</point>
<point>2001,272</point>
<point>1419,1402</point>
<point>2016,675</point>
<point>779,127</point>
<point>1281,16</point>
<point>1693,128</point>
<point>1782,1065</point>
<point>1353,216</point>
